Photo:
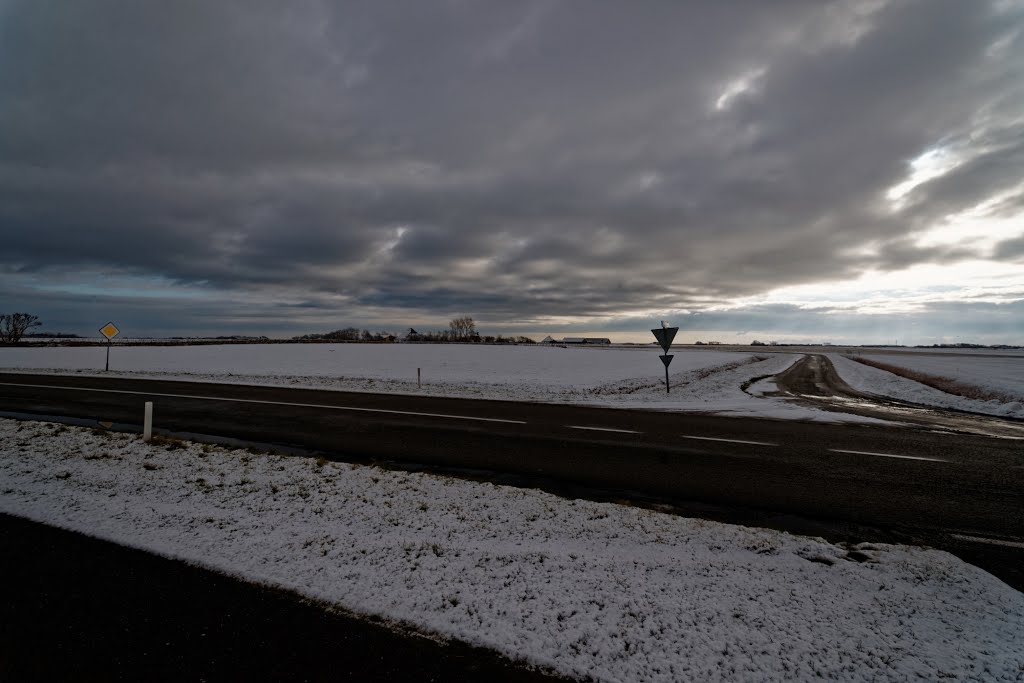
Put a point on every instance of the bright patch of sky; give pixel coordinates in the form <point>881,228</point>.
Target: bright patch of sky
<point>736,87</point>
<point>903,290</point>
<point>932,164</point>
<point>975,227</point>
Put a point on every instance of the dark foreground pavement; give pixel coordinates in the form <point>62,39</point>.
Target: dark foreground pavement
<point>75,608</point>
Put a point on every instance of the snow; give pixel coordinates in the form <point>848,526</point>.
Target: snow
<point>997,373</point>
<point>712,381</point>
<point>587,589</point>
<point>702,380</point>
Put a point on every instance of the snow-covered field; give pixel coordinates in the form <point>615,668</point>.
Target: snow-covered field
<point>702,380</point>
<point>588,589</point>
<point>715,381</point>
<point>536,365</point>
<point>1005,375</point>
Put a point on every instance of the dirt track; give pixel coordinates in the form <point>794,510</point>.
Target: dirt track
<point>814,375</point>
<point>813,380</point>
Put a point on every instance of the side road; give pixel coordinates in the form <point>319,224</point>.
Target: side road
<point>76,608</point>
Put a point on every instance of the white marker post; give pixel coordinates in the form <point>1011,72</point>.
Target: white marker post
<point>147,423</point>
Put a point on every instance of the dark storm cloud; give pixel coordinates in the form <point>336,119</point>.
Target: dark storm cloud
<point>512,160</point>
<point>1011,250</point>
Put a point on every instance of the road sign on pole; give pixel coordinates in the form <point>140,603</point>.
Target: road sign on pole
<point>666,359</point>
<point>109,331</point>
<point>665,335</point>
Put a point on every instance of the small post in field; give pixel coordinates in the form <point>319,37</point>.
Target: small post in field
<point>147,424</point>
<point>419,379</point>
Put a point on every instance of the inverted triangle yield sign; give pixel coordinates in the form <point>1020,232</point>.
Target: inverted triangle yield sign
<point>665,335</point>
<point>666,359</point>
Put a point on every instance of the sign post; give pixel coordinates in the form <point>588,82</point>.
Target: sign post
<point>109,331</point>
<point>665,335</point>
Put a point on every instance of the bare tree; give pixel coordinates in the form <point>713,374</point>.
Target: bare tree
<point>14,325</point>
<point>462,327</point>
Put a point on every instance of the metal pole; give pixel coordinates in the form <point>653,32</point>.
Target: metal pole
<point>419,383</point>
<point>666,379</point>
<point>147,423</point>
<point>107,368</point>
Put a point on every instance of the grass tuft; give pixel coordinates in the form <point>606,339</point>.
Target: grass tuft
<point>169,442</point>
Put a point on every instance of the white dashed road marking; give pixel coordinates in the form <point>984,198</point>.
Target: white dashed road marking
<point>888,455</point>
<point>990,541</point>
<point>270,403</point>
<point>711,438</point>
<point>604,429</point>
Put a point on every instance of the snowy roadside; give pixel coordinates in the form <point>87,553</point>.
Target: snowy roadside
<point>882,383</point>
<point>588,589</point>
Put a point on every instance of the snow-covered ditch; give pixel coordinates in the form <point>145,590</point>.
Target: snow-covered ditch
<point>1004,376</point>
<point>588,589</point>
<point>998,374</point>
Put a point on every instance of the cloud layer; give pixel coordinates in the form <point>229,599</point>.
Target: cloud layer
<point>534,164</point>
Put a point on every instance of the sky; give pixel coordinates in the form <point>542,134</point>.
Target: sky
<point>846,172</point>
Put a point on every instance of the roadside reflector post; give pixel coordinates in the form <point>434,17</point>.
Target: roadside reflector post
<point>665,335</point>
<point>147,423</point>
<point>419,382</point>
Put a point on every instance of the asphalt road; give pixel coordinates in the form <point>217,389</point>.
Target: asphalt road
<point>944,488</point>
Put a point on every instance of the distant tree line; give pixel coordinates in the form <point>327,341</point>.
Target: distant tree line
<point>51,335</point>
<point>445,336</point>
<point>348,334</point>
<point>460,329</point>
<point>13,326</point>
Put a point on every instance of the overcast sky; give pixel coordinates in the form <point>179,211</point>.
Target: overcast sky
<point>819,171</point>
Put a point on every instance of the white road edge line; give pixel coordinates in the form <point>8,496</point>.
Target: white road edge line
<point>604,429</point>
<point>711,438</point>
<point>272,403</point>
<point>991,541</point>
<point>888,455</point>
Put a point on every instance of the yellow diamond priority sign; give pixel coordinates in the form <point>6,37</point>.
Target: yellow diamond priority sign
<point>109,331</point>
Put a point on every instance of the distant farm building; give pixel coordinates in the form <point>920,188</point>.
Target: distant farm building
<point>548,340</point>
<point>586,340</point>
